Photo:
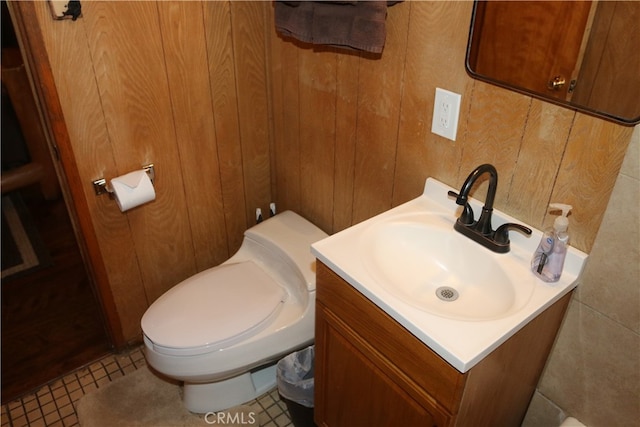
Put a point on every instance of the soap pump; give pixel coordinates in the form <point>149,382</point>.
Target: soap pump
<point>548,259</point>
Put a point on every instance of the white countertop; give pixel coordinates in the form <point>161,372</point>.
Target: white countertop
<point>461,343</point>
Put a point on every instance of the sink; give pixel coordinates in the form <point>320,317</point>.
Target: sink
<point>403,258</point>
<point>420,259</point>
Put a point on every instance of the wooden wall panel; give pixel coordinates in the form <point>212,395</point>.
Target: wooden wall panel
<point>133,86</point>
<point>247,20</point>
<point>493,134</point>
<point>217,21</point>
<point>84,116</point>
<point>286,154</point>
<point>421,153</point>
<point>380,91</point>
<point>189,85</point>
<point>347,77</point>
<point>182,85</point>
<point>229,111</point>
<point>317,85</point>
<point>586,176</point>
<point>543,144</point>
<point>540,153</point>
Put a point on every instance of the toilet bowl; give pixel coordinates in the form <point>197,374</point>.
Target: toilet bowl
<point>222,331</point>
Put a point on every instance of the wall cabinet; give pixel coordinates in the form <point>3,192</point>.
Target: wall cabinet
<point>371,371</point>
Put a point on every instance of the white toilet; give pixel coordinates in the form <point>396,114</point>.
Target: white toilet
<point>223,330</point>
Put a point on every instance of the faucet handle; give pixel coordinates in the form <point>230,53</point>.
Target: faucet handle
<point>502,233</point>
<point>466,217</point>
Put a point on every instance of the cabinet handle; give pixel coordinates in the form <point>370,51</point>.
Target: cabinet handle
<point>556,83</point>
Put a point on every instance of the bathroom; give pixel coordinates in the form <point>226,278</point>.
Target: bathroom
<point>234,118</point>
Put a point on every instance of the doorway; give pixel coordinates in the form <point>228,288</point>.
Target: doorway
<point>52,320</point>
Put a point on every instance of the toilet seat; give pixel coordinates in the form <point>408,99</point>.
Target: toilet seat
<point>227,304</point>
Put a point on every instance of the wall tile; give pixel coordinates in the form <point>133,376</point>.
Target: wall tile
<point>631,165</point>
<point>612,274</point>
<point>593,373</point>
<point>543,413</point>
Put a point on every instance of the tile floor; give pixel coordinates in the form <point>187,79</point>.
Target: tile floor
<point>54,403</point>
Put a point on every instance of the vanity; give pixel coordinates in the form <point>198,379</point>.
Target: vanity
<point>390,351</point>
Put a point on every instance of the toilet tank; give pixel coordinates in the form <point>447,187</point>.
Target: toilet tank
<point>290,236</point>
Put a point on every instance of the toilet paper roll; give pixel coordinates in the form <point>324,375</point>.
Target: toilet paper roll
<point>132,189</point>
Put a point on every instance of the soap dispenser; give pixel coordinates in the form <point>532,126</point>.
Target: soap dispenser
<point>548,260</point>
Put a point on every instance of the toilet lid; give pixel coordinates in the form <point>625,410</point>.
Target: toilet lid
<point>213,309</point>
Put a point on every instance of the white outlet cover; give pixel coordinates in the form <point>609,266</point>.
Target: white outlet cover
<point>58,8</point>
<point>446,110</point>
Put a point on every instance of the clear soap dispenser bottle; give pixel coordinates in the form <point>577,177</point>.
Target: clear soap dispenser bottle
<point>548,260</point>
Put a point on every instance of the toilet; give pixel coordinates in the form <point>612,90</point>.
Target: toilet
<point>223,330</point>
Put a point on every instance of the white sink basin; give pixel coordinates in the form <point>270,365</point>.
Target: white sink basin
<point>422,260</point>
<point>400,258</point>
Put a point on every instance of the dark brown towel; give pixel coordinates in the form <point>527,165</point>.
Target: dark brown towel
<point>352,24</point>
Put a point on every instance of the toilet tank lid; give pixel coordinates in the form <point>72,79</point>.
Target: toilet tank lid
<point>213,309</point>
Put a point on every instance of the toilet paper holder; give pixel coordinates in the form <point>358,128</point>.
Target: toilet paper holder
<point>100,186</point>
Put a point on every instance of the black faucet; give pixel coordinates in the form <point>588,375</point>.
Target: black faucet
<point>480,231</point>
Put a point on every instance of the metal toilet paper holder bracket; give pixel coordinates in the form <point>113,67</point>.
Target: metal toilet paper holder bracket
<point>100,186</point>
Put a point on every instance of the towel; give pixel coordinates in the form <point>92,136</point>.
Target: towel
<point>356,25</point>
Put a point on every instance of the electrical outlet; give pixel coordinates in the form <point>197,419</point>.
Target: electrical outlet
<point>446,109</point>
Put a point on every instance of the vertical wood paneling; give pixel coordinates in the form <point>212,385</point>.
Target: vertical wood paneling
<point>284,71</point>
<point>225,113</point>
<point>347,77</point>
<point>529,141</point>
<point>188,72</point>
<point>247,21</point>
<point>543,144</point>
<point>186,86</point>
<point>493,134</point>
<point>421,153</point>
<point>80,101</point>
<point>317,85</point>
<point>587,174</point>
<point>133,86</point>
<point>380,90</point>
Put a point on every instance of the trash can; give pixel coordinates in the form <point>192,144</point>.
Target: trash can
<point>294,375</point>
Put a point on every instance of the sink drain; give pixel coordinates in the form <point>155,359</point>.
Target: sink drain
<point>445,293</point>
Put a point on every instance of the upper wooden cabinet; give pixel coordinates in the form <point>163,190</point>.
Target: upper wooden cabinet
<point>369,370</point>
<point>580,54</point>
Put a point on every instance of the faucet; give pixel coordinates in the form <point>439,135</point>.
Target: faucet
<point>480,231</point>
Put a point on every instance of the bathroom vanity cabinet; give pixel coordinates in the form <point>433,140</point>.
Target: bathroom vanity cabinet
<point>371,371</point>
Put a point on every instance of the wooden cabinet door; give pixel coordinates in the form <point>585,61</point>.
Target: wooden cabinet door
<point>353,390</point>
<point>527,43</point>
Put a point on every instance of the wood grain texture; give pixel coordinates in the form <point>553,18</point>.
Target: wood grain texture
<point>249,60</point>
<point>176,100</point>
<point>185,48</point>
<point>493,138</point>
<point>496,391</point>
<point>526,139</point>
<point>379,99</point>
<point>348,74</point>
<point>317,83</point>
<point>500,387</point>
<point>543,144</point>
<point>285,101</point>
<point>421,153</point>
<point>134,95</point>
<point>444,383</point>
<point>587,174</point>
<point>217,22</point>
<point>84,117</point>
<point>334,135</point>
